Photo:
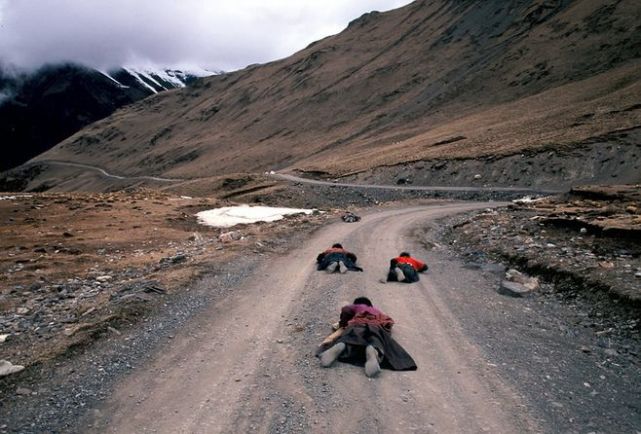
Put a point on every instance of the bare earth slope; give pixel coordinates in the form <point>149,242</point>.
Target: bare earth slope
<point>437,79</point>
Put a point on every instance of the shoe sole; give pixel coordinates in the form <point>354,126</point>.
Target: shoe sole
<point>329,356</point>
<point>400,276</point>
<point>331,268</point>
<point>372,368</point>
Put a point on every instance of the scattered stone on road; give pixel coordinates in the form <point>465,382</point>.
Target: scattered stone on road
<point>228,237</point>
<point>516,276</point>
<point>8,368</point>
<point>513,289</point>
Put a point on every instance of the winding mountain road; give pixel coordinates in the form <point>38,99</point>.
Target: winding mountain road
<point>106,174</point>
<point>246,364</point>
<point>468,189</point>
<point>296,179</point>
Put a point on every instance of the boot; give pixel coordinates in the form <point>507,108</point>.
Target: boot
<point>399,274</point>
<point>331,267</point>
<point>342,267</point>
<point>372,368</point>
<point>331,354</point>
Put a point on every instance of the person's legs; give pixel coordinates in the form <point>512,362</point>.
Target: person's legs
<point>400,276</point>
<point>331,267</point>
<point>409,272</point>
<point>391,275</point>
<point>331,354</point>
<point>372,366</point>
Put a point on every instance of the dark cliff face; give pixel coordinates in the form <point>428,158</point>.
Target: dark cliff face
<point>39,109</point>
<point>51,104</point>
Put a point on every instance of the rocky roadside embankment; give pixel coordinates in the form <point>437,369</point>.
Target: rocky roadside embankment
<point>586,243</point>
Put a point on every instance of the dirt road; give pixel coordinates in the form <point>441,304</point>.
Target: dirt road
<point>247,365</point>
<point>430,188</point>
<point>106,174</point>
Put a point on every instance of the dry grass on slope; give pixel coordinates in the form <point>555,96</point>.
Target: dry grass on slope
<point>559,117</point>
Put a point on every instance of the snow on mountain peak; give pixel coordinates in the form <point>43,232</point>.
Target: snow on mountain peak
<point>154,79</point>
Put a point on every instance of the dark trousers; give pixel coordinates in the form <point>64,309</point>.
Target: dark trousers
<point>410,273</point>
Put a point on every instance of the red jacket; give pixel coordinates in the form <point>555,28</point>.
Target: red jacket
<point>415,263</point>
<point>355,314</point>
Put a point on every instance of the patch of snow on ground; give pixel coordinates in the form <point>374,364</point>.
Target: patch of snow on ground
<point>20,196</point>
<point>201,72</point>
<point>233,215</point>
<point>526,199</point>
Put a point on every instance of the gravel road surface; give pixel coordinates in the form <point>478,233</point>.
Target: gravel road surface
<point>247,364</point>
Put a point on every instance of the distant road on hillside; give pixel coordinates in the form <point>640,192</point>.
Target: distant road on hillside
<point>107,174</point>
<point>292,178</point>
<point>524,190</point>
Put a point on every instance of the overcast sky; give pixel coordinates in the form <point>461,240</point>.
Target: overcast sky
<point>213,34</point>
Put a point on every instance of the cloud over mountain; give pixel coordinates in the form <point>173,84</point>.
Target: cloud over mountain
<point>223,35</point>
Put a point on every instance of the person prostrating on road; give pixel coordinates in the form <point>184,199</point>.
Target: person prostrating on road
<point>405,268</point>
<point>336,258</point>
<point>364,337</point>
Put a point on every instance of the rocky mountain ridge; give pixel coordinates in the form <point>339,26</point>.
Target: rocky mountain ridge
<point>40,108</point>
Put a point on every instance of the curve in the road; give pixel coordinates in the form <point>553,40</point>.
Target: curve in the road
<point>292,178</point>
<point>471,189</point>
<point>109,175</point>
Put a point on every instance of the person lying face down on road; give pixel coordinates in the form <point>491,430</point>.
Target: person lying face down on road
<point>364,337</point>
<point>336,258</point>
<point>404,268</point>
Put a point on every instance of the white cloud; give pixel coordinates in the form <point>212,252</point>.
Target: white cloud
<point>220,35</point>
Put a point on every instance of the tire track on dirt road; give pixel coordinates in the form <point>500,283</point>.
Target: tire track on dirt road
<point>246,364</point>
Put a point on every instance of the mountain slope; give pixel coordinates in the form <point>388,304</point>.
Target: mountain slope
<point>39,109</point>
<point>435,79</point>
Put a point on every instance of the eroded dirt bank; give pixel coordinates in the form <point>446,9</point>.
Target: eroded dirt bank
<point>583,251</point>
<point>590,237</point>
<point>614,158</point>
